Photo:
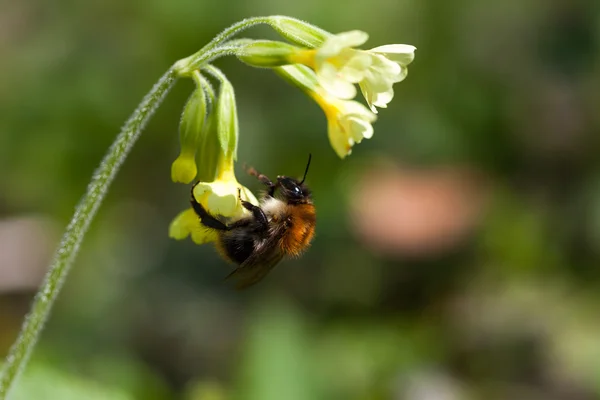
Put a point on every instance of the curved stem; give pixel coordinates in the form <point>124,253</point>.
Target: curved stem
<point>71,240</point>
<point>210,91</point>
<point>212,50</point>
<point>215,72</point>
<point>187,66</point>
<point>234,29</point>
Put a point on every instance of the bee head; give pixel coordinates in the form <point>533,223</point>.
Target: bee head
<point>292,190</point>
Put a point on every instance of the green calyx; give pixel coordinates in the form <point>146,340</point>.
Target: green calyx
<point>191,129</point>
<point>266,53</point>
<point>298,31</point>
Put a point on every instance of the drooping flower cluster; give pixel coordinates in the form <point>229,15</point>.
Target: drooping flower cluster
<point>325,66</point>
<point>338,66</point>
<point>348,121</point>
<point>208,137</point>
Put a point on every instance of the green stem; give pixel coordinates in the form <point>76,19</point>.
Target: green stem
<point>210,91</point>
<point>71,240</point>
<point>291,31</point>
<point>216,72</point>
<point>187,66</point>
<point>233,30</point>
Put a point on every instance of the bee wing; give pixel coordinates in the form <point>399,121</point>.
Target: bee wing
<point>258,265</point>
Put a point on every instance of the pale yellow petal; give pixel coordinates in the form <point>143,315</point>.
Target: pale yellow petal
<point>200,189</point>
<point>202,235</point>
<point>383,98</point>
<point>336,43</point>
<point>368,94</point>
<point>225,204</point>
<point>357,109</point>
<point>329,80</point>
<point>403,54</point>
<point>338,140</point>
<point>359,129</point>
<point>188,223</point>
<point>354,69</point>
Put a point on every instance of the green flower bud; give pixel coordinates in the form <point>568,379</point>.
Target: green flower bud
<point>190,136</point>
<point>227,122</point>
<point>299,32</point>
<point>210,148</point>
<point>267,53</point>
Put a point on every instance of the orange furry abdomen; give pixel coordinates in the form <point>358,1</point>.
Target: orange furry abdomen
<point>301,221</point>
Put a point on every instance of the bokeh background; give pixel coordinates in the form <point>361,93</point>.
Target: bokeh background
<point>457,251</point>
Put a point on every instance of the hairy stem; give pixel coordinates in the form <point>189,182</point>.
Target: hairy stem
<point>72,238</point>
<point>235,29</point>
<point>216,72</point>
<point>187,66</point>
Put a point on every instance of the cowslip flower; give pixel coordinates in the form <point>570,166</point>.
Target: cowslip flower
<point>339,66</point>
<point>216,151</point>
<point>220,197</point>
<point>348,121</point>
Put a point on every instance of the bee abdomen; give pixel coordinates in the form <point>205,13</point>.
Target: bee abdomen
<point>237,248</point>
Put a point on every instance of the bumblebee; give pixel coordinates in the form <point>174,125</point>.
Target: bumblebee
<point>278,227</point>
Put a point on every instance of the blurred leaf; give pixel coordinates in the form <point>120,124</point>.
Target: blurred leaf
<point>206,390</point>
<point>277,360</point>
<point>44,382</point>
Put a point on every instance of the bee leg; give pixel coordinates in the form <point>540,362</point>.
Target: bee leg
<point>263,178</point>
<point>205,218</point>
<point>256,211</point>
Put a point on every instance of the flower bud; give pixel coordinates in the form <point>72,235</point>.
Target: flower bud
<point>227,122</point>
<point>266,53</point>
<point>299,32</point>
<point>209,152</point>
<point>191,126</point>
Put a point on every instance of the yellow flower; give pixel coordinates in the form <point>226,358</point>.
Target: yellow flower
<point>389,66</point>
<point>339,66</point>
<point>188,223</point>
<point>220,198</point>
<point>348,121</point>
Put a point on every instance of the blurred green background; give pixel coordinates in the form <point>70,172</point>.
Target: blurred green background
<point>457,251</point>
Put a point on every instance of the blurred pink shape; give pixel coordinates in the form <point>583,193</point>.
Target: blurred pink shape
<point>26,244</point>
<point>404,211</point>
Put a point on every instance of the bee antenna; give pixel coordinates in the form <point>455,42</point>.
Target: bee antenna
<point>306,170</point>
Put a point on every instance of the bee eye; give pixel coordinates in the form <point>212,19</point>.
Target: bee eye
<point>291,187</point>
